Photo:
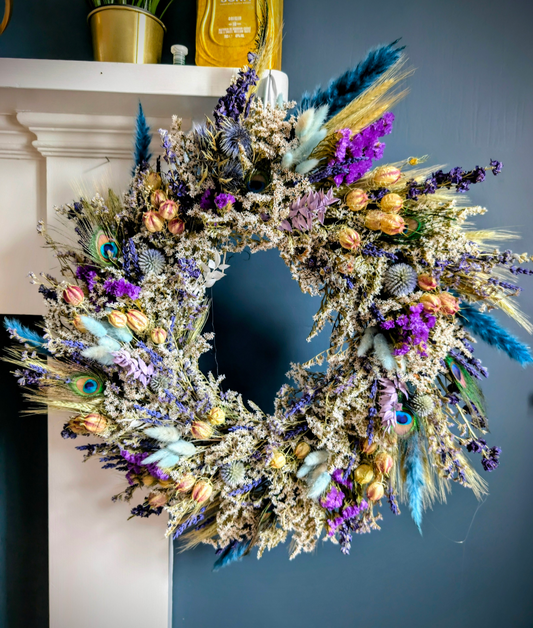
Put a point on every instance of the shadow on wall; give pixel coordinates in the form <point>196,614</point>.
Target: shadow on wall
<point>23,504</point>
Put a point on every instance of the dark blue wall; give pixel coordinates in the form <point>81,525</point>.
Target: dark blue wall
<point>470,101</point>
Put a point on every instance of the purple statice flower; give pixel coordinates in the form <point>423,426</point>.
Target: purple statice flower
<point>307,208</point>
<point>354,155</point>
<point>414,329</point>
<point>87,274</point>
<point>333,499</point>
<point>477,446</point>
<point>496,166</point>
<point>122,288</point>
<point>224,201</point>
<point>135,466</point>
<point>137,368</point>
<point>348,514</point>
<point>206,202</point>
<point>339,476</point>
<point>491,459</point>
<point>236,102</point>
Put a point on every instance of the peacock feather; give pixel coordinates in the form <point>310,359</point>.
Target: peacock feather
<point>467,386</point>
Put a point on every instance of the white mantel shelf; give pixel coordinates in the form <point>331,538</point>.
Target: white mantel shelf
<point>97,88</point>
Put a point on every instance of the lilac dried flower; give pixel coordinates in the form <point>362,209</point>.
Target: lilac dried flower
<point>87,274</point>
<point>224,201</point>
<point>307,208</point>
<point>137,368</point>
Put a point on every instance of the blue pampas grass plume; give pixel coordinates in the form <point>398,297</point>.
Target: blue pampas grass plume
<point>100,354</point>
<point>488,329</point>
<point>231,554</point>
<point>413,466</point>
<point>26,335</point>
<point>319,485</point>
<point>341,91</point>
<point>141,153</point>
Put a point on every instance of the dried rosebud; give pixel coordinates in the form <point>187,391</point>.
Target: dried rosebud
<point>176,226</point>
<point>386,175</point>
<point>216,416</point>
<point>431,302</point>
<point>158,335</point>
<point>157,197</point>
<point>202,491</point>
<point>391,203</point>
<point>448,303</point>
<point>148,480</point>
<point>73,295</point>
<point>201,430</point>
<point>153,221</point>
<point>369,448</point>
<point>185,484</point>
<point>427,282</point>
<point>168,210</point>
<point>373,220</point>
<point>301,451</point>
<point>356,200</point>
<point>78,324</point>
<point>349,238</point>
<point>94,423</point>
<point>117,318</point>
<point>137,320</point>
<point>278,459</point>
<point>392,224</point>
<point>156,500</point>
<point>75,425</point>
<point>384,463</point>
<point>375,491</point>
<point>363,474</point>
<point>153,181</point>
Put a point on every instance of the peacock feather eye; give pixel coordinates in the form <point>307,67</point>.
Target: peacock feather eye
<point>104,248</point>
<point>257,181</point>
<point>413,227</point>
<point>86,385</point>
<point>457,373</point>
<point>405,422</point>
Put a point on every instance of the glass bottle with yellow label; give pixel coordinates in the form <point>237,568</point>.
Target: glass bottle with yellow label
<point>226,31</point>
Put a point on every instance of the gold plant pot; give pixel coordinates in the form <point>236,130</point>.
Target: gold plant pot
<point>126,34</point>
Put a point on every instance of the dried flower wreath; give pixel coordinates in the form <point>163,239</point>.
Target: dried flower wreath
<point>402,278</point>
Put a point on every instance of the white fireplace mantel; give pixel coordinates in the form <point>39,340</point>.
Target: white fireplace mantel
<point>66,127</point>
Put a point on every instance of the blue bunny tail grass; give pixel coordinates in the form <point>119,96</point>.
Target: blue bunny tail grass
<point>414,477</point>
<point>488,329</point>
<point>141,153</point>
<point>26,335</point>
<point>342,90</point>
<point>231,554</point>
